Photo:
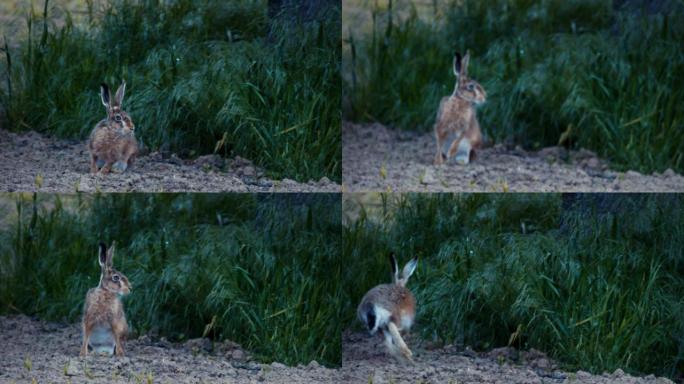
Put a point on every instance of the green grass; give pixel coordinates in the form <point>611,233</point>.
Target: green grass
<point>204,76</point>
<point>267,276</point>
<point>612,81</point>
<point>595,289</point>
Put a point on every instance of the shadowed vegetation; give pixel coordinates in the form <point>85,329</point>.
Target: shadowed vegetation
<point>207,76</point>
<point>598,289</point>
<point>262,271</point>
<point>577,73</point>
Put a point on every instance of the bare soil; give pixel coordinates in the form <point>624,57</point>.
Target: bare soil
<point>33,162</point>
<point>364,360</point>
<point>376,158</point>
<point>49,353</point>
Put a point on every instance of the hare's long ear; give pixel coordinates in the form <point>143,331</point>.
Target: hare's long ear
<point>409,268</point>
<point>120,92</point>
<point>104,94</point>
<point>457,64</point>
<point>110,254</point>
<point>118,98</point>
<point>464,67</point>
<point>103,255</point>
<point>395,267</point>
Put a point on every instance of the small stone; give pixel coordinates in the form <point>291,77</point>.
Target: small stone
<point>618,373</point>
<point>669,173</point>
<point>249,171</point>
<point>583,375</point>
<point>324,181</point>
<point>264,183</point>
<point>238,354</point>
<point>277,365</point>
<point>313,365</point>
<point>202,344</point>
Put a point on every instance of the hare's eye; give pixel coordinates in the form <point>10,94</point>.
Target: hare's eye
<point>117,117</point>
<point>115,278</point>
<point>471,87</point>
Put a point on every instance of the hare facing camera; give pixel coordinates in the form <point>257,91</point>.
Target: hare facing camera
<point>391,308</point>
<point>112,143</point>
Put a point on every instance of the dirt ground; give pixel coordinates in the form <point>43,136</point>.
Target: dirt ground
<point>33,162</point>
<point>364,361</point>
<point>48,353</point>
<point>375,158</point>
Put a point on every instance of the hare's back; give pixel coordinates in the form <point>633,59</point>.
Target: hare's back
<point>395,299</point>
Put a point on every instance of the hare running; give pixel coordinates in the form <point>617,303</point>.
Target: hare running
<point>112,142</point>
<point>391,308</point>
<point>456,129</point>
<point>104,322</point>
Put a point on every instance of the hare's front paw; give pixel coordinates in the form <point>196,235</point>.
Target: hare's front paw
<point>120,166</point>
<point>462,156</point>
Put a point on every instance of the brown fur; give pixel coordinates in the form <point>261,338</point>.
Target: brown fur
<point>391,308</point>
<point>398,298</point>
<point>113,139</point>
<point>456,114</point>
<point>103,306</point>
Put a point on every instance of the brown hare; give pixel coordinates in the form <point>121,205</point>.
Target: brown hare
<point>456,129</point>
<point>112,142</point>
<point>104,322</point>
<point>391,309</point>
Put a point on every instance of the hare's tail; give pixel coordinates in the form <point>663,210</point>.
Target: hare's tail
<point>374,316</point>
<point>367,313</point>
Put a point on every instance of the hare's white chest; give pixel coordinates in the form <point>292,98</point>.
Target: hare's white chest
<point>102,340</point>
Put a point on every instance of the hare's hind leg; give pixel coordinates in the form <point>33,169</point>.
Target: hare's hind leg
<point>392,348</point>
<point>403,348</point>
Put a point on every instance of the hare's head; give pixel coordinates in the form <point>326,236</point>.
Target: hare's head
<point>112,280</point>
<point>116,116</point>
<point>402,279</point>
<point>466,88</point>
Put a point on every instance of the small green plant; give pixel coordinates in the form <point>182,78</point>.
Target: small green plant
<point>27,363</point>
